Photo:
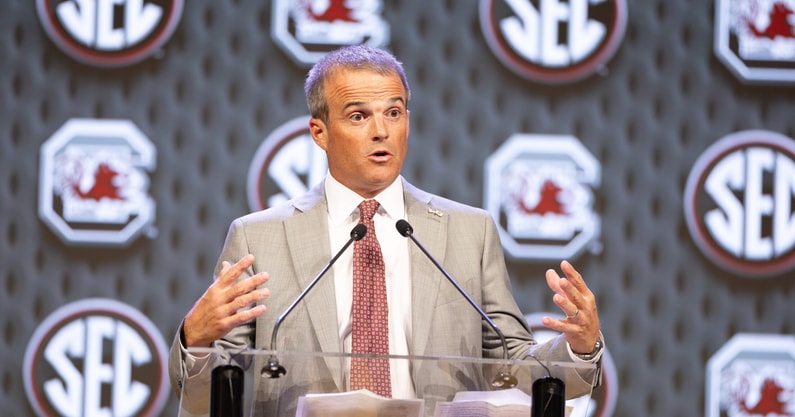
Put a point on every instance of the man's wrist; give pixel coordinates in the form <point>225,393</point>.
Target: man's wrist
<point>592,354</point>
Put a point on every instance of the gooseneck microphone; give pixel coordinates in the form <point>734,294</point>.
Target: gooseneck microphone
<point>273,369</point>
<point>503,379</point>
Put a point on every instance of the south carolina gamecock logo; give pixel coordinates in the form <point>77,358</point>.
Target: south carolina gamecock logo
<point>308,29</point>
<point>756,39</point>
<point>540,191</point>
<point>93,182</point>
<point>753,375</point>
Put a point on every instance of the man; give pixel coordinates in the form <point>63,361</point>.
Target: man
<point>358,99</point>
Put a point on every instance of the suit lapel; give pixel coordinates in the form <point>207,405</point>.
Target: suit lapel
<point>310,253</point>
<point>430,229</point>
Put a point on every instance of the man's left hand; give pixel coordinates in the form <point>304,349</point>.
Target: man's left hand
<point>581,325</point>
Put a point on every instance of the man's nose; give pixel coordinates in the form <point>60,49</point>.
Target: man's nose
<point>380,129</point>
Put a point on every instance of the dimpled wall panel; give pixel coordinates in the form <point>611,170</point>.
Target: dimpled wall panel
<point>221,84</point>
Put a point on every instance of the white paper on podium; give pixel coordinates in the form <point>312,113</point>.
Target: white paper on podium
<point>502,403</point>
<point>361,403</point>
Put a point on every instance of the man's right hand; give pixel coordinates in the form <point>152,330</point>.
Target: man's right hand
<point>225,304</point>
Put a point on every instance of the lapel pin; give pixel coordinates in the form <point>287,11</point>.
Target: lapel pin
<point>437,213</point>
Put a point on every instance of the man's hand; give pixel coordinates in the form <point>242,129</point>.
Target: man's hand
<point>581,325</point>
<point>223,305</point>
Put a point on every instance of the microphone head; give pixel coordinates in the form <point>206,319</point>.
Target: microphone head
<point>358,231</point>
<point>404,228</point>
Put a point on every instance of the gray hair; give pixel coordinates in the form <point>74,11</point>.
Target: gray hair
<point>350,57</point>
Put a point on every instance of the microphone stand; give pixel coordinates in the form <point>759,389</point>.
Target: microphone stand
<point>503,379</point>
<point>273,369</point>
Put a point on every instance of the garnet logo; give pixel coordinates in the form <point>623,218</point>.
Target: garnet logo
<point>96,357</point>
<point>109,33</point>
<point>285,166</point>
<point>755,39</point>
<point>752,375</point>
<point>308,29</point>
<point>738,203</point>
<point>553,41</point>
<point>93,182</point>
<point>538,188</point>
<point>603,399</point>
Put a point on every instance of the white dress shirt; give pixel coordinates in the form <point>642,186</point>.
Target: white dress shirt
<point>343,215</point>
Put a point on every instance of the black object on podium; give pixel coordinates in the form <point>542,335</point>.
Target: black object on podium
<point>549,398</point>
<point>226,391</point>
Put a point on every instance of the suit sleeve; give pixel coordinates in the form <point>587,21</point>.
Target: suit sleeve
<point>193,385</point>
<point>501,306</point>
<point>498,300</point>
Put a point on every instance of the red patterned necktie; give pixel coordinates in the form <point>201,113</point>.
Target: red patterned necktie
<point>370,326</point>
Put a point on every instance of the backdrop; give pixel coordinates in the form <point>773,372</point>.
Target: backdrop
<point>218,83</point>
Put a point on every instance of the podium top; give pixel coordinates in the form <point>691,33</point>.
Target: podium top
<point>266,391</point>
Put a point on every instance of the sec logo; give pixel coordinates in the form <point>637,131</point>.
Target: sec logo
<point>96,357</point>
<point>285,165</point>
<point>553,41</point>
<point>738,203</point>
<point>109,33</point>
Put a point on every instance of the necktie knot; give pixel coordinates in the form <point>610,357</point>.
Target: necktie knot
<point>367,208</point>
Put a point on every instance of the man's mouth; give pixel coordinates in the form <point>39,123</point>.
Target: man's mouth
<point>381,155</point>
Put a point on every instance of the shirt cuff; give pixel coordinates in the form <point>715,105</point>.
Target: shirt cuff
<point>194,364</point>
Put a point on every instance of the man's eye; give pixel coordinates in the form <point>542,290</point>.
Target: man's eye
<point>357,117</point>
<point>395,113</point>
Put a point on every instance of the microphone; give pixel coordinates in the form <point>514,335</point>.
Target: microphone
<point>503,379</point>
<point>273,369</point>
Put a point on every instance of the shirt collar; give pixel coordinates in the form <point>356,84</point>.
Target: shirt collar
<point>342,201</point>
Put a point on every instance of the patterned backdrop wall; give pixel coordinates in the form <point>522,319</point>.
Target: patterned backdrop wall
<point>649,142</point>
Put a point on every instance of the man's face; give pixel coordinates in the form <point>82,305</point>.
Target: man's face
<point>366,136</point>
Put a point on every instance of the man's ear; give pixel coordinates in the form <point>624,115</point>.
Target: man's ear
<point>317,128</point>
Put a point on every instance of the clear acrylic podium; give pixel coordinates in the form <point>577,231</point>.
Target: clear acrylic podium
<point>437,379</point>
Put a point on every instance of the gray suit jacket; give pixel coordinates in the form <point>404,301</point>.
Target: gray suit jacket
<point>291,243</point>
